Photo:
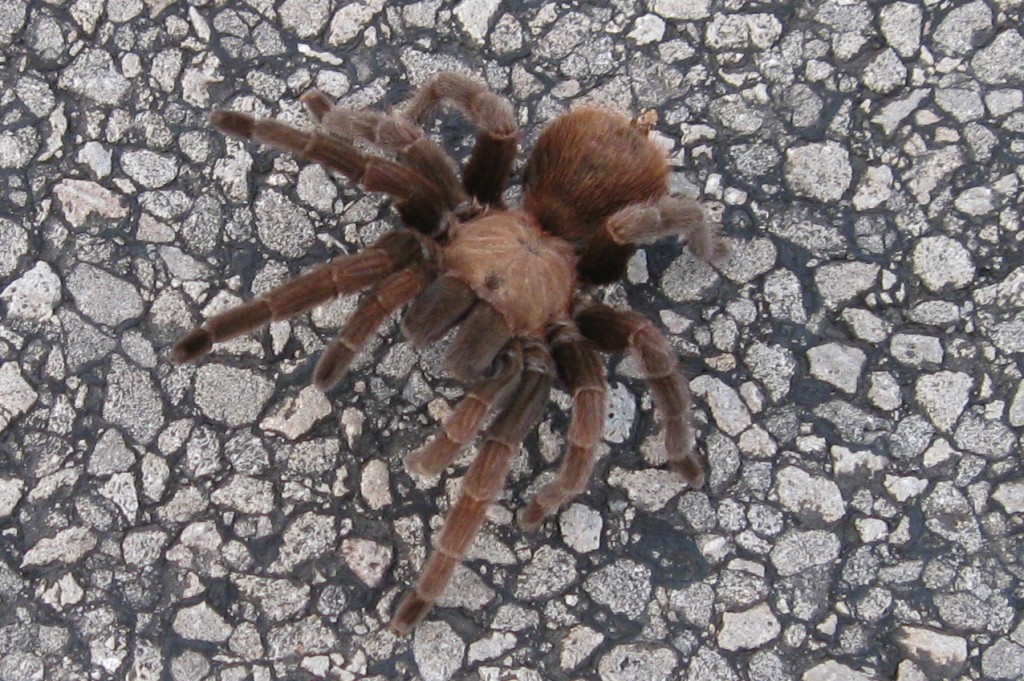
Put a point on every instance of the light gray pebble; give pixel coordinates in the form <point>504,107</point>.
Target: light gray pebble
<point>948,514</point>
<point>963,104</point>
<point>975,201</point>
<point>687,10</point>
<point>773,366</point>
<point>647,661</point>
<point>367,559</point>
<point>901,26</point>
<point>475,15</point>
<point>866,325</point>
<point>809,496</point>
<point>1010,496</point>
<point>278,599</point>
<point>230,395</point>
<point>819,171</point>
<point>438,651</point>
<point>67,546</point>
<point>648,28</point>
<point>623,586</point>
<point>748,630</point>
<point>310,635</point>
<point>874,189</point>
<point>800,550</point>
<point>931,169</point>
<point>200,622</point>
<point>983,435</point>
<point>784,294</point>
<point>102,297</point>
<point>245,495</point>
<point>350,20</point>
<point>710,664</point>
<point>962,26</point>
<point>621,413</point>
<point>885,73</point>
<point>840,282</point>
<point>577,646</point>
<point>308,536</point>
<point>834,671</point>
<point>649,489</point>
<point>282,226</point>
<point>92,75</point>
<point>749,259</point>
<point>148,168</point>
<point>916,349</point>
<point>132,402</point>
<point>943,395</point>
<point>11,490</point>
<point>838,365</point>
<point>998,62</point>
<point>13,245</point>
<point>143,546</point>
<point>1003,660</point>
<point>18,147</point>
<point>581,527</point>
<point>298,414</point>
<point>942,655</point>
<point>727,407</point>
<point>305,18</point>
<point>34,294</point>
<point>549,572</point>
<point>81,198</point>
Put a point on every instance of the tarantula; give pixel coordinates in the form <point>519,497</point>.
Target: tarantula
<point>512,280</point>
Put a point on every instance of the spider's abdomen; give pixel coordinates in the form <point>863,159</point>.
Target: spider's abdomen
<point>526,275</point>
<point>587,165</point>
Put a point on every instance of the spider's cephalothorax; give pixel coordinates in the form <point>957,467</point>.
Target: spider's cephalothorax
<point>509,280</point>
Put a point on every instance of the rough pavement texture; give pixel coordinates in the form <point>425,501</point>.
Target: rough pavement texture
<point>857,364</point>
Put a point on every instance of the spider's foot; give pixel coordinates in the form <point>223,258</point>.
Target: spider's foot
<point>409,613</point>
<point>532,517</point>
<point>690,471</point>
<point>194,345</point>
<point>234,123</point>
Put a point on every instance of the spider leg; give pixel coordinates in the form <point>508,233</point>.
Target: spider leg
<point>418,200</point>
<point>646,222</point>
<point>466,419</point>
<point>490,164</point>
<point>393,133</point>
<point>392,293</point>
<point>444,303</point>
<point>484,480</point>
<point>582,371</point>
<point>620,330</point>
<point>340,276</point>
<point>477,342</point>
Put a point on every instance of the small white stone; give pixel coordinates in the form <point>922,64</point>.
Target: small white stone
<point>838,365</point>
<point>297,415</point>
<point>438,650</point>
<point>871,530</point>
<point>649,489</point>
<point>374,484</point>
<point>80,198</point>
<point>67,546</point>
<point>801,492</point>
<point>975,201</point>
<point>10,494</point>
<point>578,645</point>
<point>1010,496</point>
<point>904,488</point>
<point>940,262</point>
<point>748,630</point>
<point>943,395</point>
<point>475,16</point>
<point>820,171</point>
<point>200,622</point>
<point>581,528</point>
<point>34,294</point>
<point>874,189</point>
<point>727,408</point>
<point>648,29</point>
<point>916,349</point>
<point>934,649</point>
<point>688,10</point>
<point>367,559</point>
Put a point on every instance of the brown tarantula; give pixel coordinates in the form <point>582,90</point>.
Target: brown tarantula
<point>512,280</point>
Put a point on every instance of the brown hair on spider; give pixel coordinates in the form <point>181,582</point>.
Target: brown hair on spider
<point>512,280</point>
